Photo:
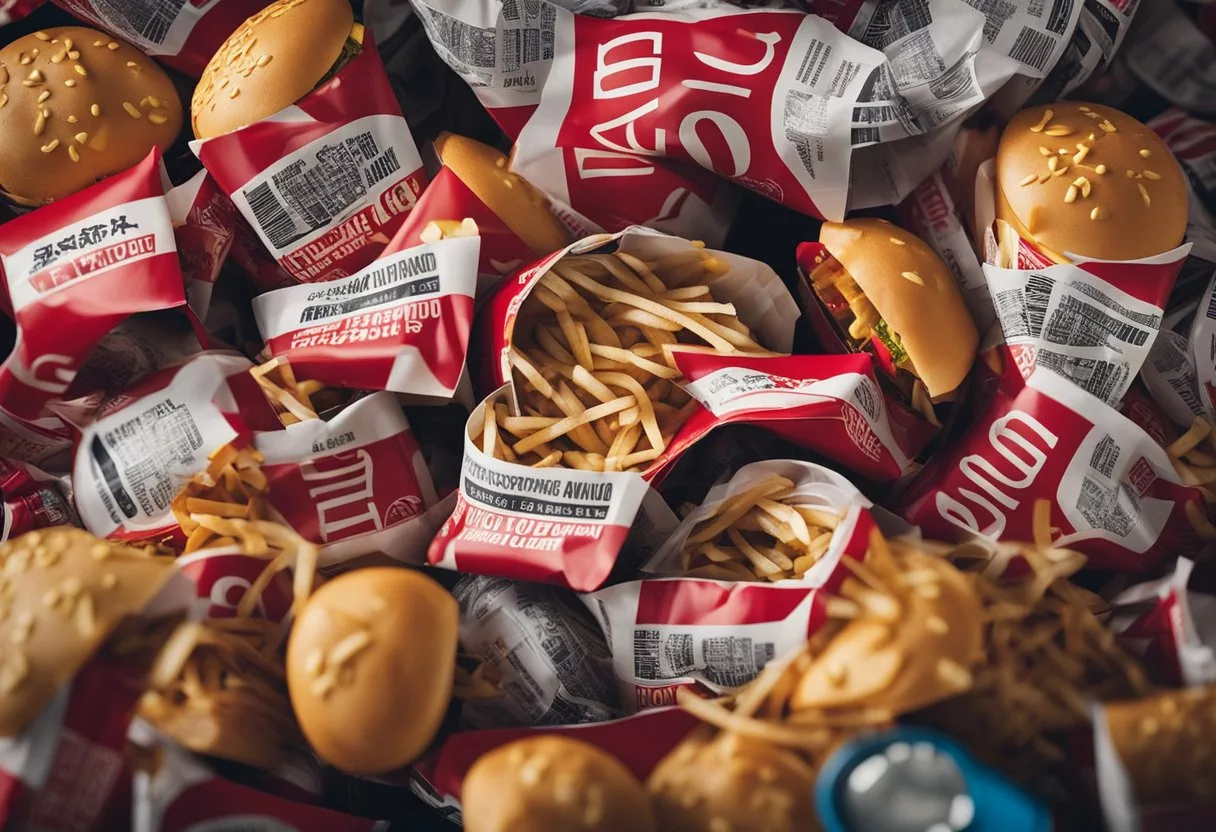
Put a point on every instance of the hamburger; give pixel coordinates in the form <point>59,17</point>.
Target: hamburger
<point>1084,179</point>
<point>76,106</point>
<point>553,784</point>
<point>62,594</point>
<point>885,292</point>
<point>271,61</point>
<point>370,667</point>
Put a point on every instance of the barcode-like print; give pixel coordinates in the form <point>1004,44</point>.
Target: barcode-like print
<point>876,114</point>
<point>468,46</point>
<point>864,135</point>
<point>1098,378</point>
<point>1032,48</point>
<point>1211,313</point>
<point>646,654</point>
<point>1037,294</point>
<point>1104,457</point>
<point>1080,324</point>
<point>1100,508</point>
<point>1182,386</point>
<point>1149,320</point>
<point>995,12</point>
<point>679,654</point>
<point>146,19</point>
<point>732,661</point>
<point>270,215</point>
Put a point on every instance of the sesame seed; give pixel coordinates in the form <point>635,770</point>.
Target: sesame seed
<point>1044,151</point>
<point>322,686</point>
<point>99,43</point>
<point>1082,152</point>
<point>3,99</point>
<point>937,624</point>
<point>59,56</point>
<point>133,65</point>
<point>95,110</point>
<point>1043,122</point>
<point>234,92</point>
<point>1097,213</point>
<point>81,71</point>
<point>1144,154</point>
<point>132,111</point>
<point>1063,151</point>
<point>263,60</point>
<point>1153,175</point>
<point>1107,127</point>
<point>81,137</point>
<point>36,75</point>
<point>50,146</point>
<point>896,241</point>
<point>1131,174</point>
<point>314,662</point>
<point>45,95</point>
<point>43,36</point>
<point>913,277</point>
<point>111,46</point>
<point>74,55</point>
<point>953,673</point>
<point>1053,163</point>
<point>67,43</point>
<point>1083,108</point>
<point>1071,194</point>
<point>26,60</point>
<point>71,119</point>
<point>39,124</point>
<point>153,100</point>
<point>158,118</point>
<point>1144,195</point>
<point>1059,130</point>
<point>71,82</point>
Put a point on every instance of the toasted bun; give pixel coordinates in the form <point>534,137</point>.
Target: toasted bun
<point>926,311</point>
<point>732,783</point>
<point>553,784</point>
<point>51,143</point>
<point>64,592</point>
<point>271,61</point>
<point>370,664</point>
<point>1127,192</point>
<point>523,208</point>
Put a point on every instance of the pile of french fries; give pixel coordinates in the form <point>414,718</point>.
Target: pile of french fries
<point>592,360</point>
<point>766,533</point>
<point>292,398</point>
<point>1193,456</point>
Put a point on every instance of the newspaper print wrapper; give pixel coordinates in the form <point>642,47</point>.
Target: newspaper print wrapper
<point>327,181</point>
<point>760,299</point>
<point>1170,627</point>
<point>1152,761</point>
<point>447,198</point>
<point>1113,492</point>
<point>204,227</point>
<point>181,793</point>
<point>670,632</point>
<point>1171,56</point>
<point>400,324</point>
<point>73,271</point>
<point>638,741</point>
<point>132,459</point>
<point>553,663</point>
<point>181,33</point>
<point>32,500</point>
<point>1171,374</point>
<point>547,525</point>
<point>355,485</point>
<point>1092,321</point>
<point>1193,143</point>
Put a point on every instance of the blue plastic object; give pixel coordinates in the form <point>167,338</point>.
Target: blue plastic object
<point>916,780</point>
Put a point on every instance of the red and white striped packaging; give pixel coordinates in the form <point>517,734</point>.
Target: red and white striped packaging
<point>181,33</point>
<point>1193,142</point>
<point>73,271</point>
<point>183,794</point>
<point>204,226</point>
<point>670,632</point>
<point>31,500</point>
<point>13,10</point>
<point>223,576</point>
<point>400,324</point>
<point>328,180</point>
<point>355,485</point>
<point>638,741</point>
<point>548,525</point>
<point>133,458</point>
<point>1113,492</point>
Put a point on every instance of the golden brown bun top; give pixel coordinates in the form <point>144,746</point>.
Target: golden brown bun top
<point>271,61</point>
<point>77,105</point>
<point>915,294</point>
<point>370,664</point>
<point>732,784</point>
<point>553,784</point>
<point>523,208</point>
<point>63,592</point>
<point>1088,179</point>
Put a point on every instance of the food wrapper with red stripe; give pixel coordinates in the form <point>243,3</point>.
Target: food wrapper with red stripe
<point>32,500</point>
<point>225,574</point>
<point>1193,142</point>
<point>669,632</point>
<point>400,324</point>
<point>73,271</point>
<point>204,226</point>
<point>1112,490</point>
<point>355,485</point>
<point>131,460</point>
<point>327,181</point>
<point>638,741</point>
<point>13,10</point>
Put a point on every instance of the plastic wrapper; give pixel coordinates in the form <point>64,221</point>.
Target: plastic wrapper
<point>328,180</point>
<point>131,460</point>
<point>639,742</point>
<point>1112,491</point>
<point>355,485</point>
<point>400,324</point>
<point>204,227</point>
<point>182,34</point>
<point>549,658</point>
<point>73,271</point>
<point>32,500</point>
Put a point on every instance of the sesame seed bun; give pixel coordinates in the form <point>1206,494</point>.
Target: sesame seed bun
<point>370,664</point>
<point>523,208</point>
<point>913,291</point>
<point>1122,198</point>
<point>732,784</point>
<point>77,105</point>
<point>271,61</point>
<point>553,784</point>
<point>63,592</point>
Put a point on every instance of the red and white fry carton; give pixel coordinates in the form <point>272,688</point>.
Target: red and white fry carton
<point>670,632</point>
<point>181,33</point>
<point>328,180</point>
<point>181,793</point>
<point>354,485</point>
<point>1113,492</point>
<point>73,271</point>
<point>144,443</point>
<point>400,324</point>
<point>204,226</point>
<point>549,525</point>
<point>638,741</point>
<point>224,575</point>
<point>32,500</point>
